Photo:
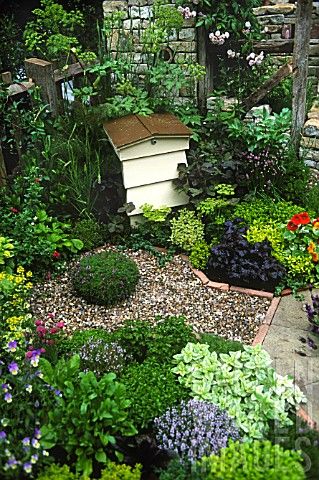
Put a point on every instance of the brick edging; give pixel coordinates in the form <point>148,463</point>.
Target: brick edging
<point>304,416</point>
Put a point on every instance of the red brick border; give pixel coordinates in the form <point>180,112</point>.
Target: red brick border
<point>304,415</point>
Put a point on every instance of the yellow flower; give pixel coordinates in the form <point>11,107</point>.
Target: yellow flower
<point>311,248</point>
<point>29,274</point>
<point>7,254</point>
<point>20,269</point>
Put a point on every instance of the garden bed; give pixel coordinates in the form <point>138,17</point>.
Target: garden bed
<point>161,291</point>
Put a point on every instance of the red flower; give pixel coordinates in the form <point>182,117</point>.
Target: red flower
<point>56,254</point>
<point>304,218</point>
<point>41,330</point>
<point>292,226</point>
<point>37,180</point>
<point>54,330</point>
<point>14,210</point>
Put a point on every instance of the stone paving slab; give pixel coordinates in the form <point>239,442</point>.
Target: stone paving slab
<point>290,355</point>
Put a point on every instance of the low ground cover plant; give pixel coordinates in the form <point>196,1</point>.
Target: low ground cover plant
<point>243,383</point>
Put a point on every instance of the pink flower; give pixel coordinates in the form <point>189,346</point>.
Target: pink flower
<point>38,323</point>
<point>60,325</point>
<point>56,254</point>
<point>54,330</point>
<point>14,210</point>
<point>51,315</point>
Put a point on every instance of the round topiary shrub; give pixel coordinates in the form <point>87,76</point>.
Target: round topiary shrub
<point>106,278</point>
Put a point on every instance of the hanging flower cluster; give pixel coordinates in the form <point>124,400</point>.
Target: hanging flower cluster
<point>187,12</point>
<point>254,59</point>
<point>218,38</point>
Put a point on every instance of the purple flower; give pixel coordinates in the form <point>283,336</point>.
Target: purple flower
<point>27,467</point>
<point>3,435</point>
<point>37,433</point>
<point>13,368</point>
<point>8,397</point>
<point>12,463</point>
<point>12,346</point>
<point>35,443</point>
<point>195,429</point>
<point>26,441</point>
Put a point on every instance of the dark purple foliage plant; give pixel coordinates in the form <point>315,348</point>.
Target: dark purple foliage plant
<point>194,429</point>
<point>313,311</point>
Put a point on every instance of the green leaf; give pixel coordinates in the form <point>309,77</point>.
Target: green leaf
<point>100,456</point>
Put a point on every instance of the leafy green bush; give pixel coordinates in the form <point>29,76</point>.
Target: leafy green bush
<point>89,231</point>
<point>220,344</point>
<point>252,461</point>
<point>187,230</point>
<point>152,389</point>
<point>159,342</point>
<point>88,414</point>
<point>242,383</point>
<point>105,278</point>
<point>200,255</point>
<point>263,210</point>
<point>176,470</point>
<point>57,472</point>
<point>121,472</point>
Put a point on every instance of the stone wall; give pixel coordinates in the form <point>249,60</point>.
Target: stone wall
<point>183,44</point>
<point>278,17</point>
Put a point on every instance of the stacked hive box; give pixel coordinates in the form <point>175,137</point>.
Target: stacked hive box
<point>150,149</point>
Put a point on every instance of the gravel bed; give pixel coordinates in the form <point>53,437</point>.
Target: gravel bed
<point>161,291</point>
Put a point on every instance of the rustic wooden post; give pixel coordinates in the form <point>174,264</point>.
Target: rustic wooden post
<point>205,86</point>
<point>300,64</point>
<point>42,75</point>
<point>6,78</point>
<point>3,172</point>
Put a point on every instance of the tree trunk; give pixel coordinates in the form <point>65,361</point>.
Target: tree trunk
<point>300,63</point>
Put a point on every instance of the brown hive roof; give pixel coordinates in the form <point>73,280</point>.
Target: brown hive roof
<point>136,128</point>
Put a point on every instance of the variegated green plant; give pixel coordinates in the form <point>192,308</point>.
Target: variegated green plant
<point>242,382</point>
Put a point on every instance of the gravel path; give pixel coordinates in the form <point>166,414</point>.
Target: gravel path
<point>163,291</point>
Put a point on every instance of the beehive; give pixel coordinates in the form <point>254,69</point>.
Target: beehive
<point>150,149</point>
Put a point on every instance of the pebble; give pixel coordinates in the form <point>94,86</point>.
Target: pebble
<point>171,290</point>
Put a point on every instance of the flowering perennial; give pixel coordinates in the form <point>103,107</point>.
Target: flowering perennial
<point>195,429</point>
<point>218,38</point>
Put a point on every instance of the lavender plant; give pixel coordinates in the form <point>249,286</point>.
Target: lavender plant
<point>100,357</point>
<point>313,311</point>
<point>195,429</point>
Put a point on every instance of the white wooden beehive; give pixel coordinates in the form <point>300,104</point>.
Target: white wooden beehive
<point>150,149</point>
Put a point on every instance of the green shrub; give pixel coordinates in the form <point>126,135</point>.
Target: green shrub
<point>299,435</point>
<point>265,209</point>
<point>90,232</point>
<point>199,255</point>
<point>176,470</point>
<point>71,345</point>
<point>252,461</point>
<point>121,472</point>
<point>312,199</point>
<point>160,342</point>
<point>56,472</point>
<point>88,413</point>
<point>219,344</point>
<point>106,278</point>
<point>152,389</point>
<point>187,230</point>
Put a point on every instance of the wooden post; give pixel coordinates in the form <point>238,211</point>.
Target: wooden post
<point>3,172</point>
<point>6,78</point>
<point>42,74</point>
<point>300,63</point>
<point>205,86</point>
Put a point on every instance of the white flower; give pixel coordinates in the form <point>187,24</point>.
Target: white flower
<point>226,35</point>
<point>248,25</point>
<point>217,33</point>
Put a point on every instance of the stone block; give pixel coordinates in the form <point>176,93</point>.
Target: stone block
<point>188,34</point>
<point>272,19</point>
<point>269,29</point>
<point>134,12</point>
<point>146,12</point>
<point>260,11</point>
<point>131,23</point>
<point>311,128</point>
<point>285,9</point>
<point>113,6</point>
<point>312,143</point>
<point>314,50</point>
<point>187,47</point>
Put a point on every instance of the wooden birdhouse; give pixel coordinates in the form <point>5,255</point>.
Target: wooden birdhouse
<point>150,149</point>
